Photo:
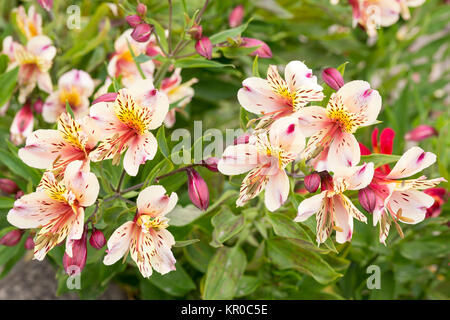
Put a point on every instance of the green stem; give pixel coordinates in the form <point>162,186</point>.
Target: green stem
<point>161,73</point>
<point>170,27</point>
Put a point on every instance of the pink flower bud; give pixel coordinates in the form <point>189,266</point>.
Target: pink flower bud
<point>333,78</point>
<point>263,51</point>
<point>243,139</point>
<point>107,97</point>
<point>8,186</point>
<point>204,47</point>
<point>141,9</point>
<point>211,164</point>
<point>97,239</point>
<point>38,106</point>
<point>133,20</point>
<point>196,32</point>
<point>142,32</point>
<point>420,133</point>
<point>197,189</point>
<point>46,4</point>
<point>236,16</point>
<point>367,199</point>
<point>11,238</point>
<point>326,181</point>
<point>75,264</point>
<point>312,182</point>
<point>29,243</point>
<point>22,125</point>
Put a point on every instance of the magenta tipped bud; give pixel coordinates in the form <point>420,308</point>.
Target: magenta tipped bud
<point>29,243</point>
<point>142,32</point>
<point>333,78</point>
<point>211,164</point>
<point>236,16</point>
<point>367,199</point>
<point>198,190</point>
<point>11,238</point>
<point>263,51</point>
<point>204,47</point>
<point>133,20</point>
<point>8,186</point>
<point>107,97</point>
<point>46,4</point>
<point>97,239</point>
<point>420,133</point>
<point>196,32</point>
<point>75,264</point>
<point>141,9</point>
<point>312,182</point>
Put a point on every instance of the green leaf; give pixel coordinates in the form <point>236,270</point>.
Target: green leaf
<point>182,216</point>
<point>4,60</point>
<point>161,32</point>
<point>7,84</point>
<point>380,159</point>
<point>6,202</point>
<point>176,283</point>
<point>162,142</point>
<point>69,110</point>
<point>200,253</point>
<point>290,254</point>
<point>255,67</point>
<point>247,285</point>
<point>224,271</point>
<point>226,225</point>
<point>185,243</point>
<point>230,33</point>
<point>199,63</point>
<point>18,167</point>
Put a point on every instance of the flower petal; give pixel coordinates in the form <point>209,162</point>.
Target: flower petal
<point>257,97</point>
<point>119,242</point>
<point>75,232</point>
<point>344,151</point>
<point>82,183</point>
<point>412,203</point>
<point>41,148</point>
<point>238,159</point>
<point>411,162</point>
<point>154,201</point>
<point>141,149</point>
<point>312,119</point>
<point>285,133</point>
<point>277,191</point>
<point>299,76</point>
<point>310,206</point>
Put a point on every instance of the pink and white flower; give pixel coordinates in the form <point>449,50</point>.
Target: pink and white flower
<point>403,200</point>
<point>146,237</point>
<point>35,61</point>
<point>333,209</point>
<point>57,208</point>
<point>56,149</point>
<point>74,87</point>
<point>266,157</point>
<point>354,105</point>
<point>178,93</point>
<point>126,122</point>
<point>276,97</point>
<point>30,25</point>
<point>22,125</point>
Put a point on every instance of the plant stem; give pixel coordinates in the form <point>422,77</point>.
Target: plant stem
<point>199,17</point>
<point>161,73</point>
<point>122,176</point>
<point>186,55</point>
<point>159,43</point>
<point>170,27</point>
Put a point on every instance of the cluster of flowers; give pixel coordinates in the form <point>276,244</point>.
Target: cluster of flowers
<point>279,140</point>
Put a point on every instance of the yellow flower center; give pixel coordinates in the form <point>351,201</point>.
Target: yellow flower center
<point>71,131</point>
<point>347,121</point>
<point>147,222</point>
<point>71,96</point>
<point>131,114</point>
<point>26,58</point>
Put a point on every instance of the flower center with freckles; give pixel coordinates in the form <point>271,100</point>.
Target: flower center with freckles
<point>347,121</point>
<point>131,114</point>
<point>28,59</point>
<point>71,132</point>
<point>71,96</point>
<point>147,223</point>
<point>275,154</point>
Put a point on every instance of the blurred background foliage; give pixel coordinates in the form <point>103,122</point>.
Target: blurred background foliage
<point>248,252</point>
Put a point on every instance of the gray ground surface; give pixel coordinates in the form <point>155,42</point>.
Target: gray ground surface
<point>34,280</point>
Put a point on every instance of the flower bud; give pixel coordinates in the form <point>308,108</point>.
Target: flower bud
<point>11,238</point>
<point>312,182</point>
<point>22,125</point>
<point>38,106</point>
<point>263,51</point>
<point>141,9</point>
<point>236,16</point>
<point>326,181</point>
<point>197,189</point>
<point>196,31</point>
<point>204,47</point>
<point>46,4</point>
<point>29,243</point>
<point>8,186</point>
<point>97,239</point>
<point>367,199</point>
<point>211,164</point>
<point>133,20</point>
<point>75,264</point>
<point>19,194</point>
<point>107,97</point>
<point>420,133</point>
<point>142,32</point>
<point>333,78</point>
<point>243,139</point>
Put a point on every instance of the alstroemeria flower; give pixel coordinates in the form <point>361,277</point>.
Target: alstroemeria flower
<point>146,237</point>
<point>29,25</point>
<point>22,125</point>
<point>333,209</point>
<point>56,149</point>
<point>275,97</point>
<point>384,146</point>
<point>266,158</point>
<point>354,105</point>
<point>402,200</point>
<point>122,64</point>
<point>178,93</point>
<point>126,123</point>
<point>372,14</point>
<point>74,87</point>
<point>406,4</point>
<point>57,208</point>
<point>35,61</point>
